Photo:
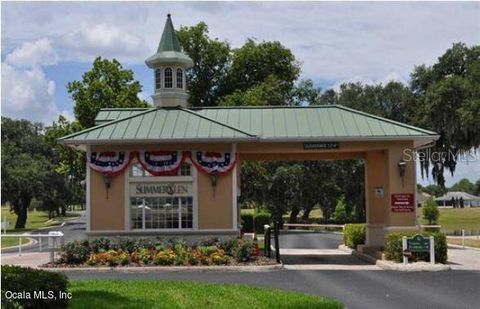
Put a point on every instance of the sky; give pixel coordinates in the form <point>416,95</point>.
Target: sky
<point>47,44</point>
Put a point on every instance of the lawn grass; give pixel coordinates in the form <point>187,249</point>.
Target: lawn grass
<point>457,218</point>
<point>165,294</point>
<point>35,220</point>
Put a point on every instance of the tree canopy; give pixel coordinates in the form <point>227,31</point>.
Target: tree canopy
<point>106,84</point>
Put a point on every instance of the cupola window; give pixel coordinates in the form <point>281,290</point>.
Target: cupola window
<point>158,79</point>
<point>168,78</point>
<point>180,78</point>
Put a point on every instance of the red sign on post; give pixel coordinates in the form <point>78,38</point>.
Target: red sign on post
<point>402,202</point>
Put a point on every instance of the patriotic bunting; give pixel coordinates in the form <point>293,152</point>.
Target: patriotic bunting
<point>214,162</point>
<point>161,163</point>
<point>109,163</point>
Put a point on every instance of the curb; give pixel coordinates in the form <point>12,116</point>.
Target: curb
<point>389,265</point>
<point>462,247</point>
<point>259,268</point>
<point>30,242</point>
<point>418,266</point>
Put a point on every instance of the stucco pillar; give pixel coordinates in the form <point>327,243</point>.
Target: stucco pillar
<point>376,196</point>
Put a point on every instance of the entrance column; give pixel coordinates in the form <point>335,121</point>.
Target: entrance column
<point>376,195</point>
<point>390,176</point>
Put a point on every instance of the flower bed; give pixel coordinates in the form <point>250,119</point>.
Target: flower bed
<point>144,252</point>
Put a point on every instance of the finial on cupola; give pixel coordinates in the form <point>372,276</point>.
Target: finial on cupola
<point>169,64</point>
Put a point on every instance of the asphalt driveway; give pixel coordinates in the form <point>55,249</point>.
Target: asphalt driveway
<point>370,289</point>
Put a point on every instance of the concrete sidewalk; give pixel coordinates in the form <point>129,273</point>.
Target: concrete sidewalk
<point>463,258</point>
<point>28,259</point>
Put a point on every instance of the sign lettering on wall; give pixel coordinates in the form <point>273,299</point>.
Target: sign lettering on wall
<point>320,145</point>
<point>160,189</point>
<point>402,202</point>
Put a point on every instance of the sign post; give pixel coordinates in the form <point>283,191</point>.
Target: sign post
<point>432,251</point>
<point>406,252</point>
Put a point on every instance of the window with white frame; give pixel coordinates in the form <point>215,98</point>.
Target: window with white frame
<point>162,202</point>
<point>158,78</point>
<point>180,78</point>
<point>168,78</point>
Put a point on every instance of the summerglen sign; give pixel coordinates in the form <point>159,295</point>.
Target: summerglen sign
<point>160,189</point>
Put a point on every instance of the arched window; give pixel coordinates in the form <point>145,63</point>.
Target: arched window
<point>179,78</point>
<point>158,78</point>
<point>168,78</point>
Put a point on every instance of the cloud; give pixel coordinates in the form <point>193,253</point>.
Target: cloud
<point>36,53</point>
<point>90,41</point>
<point>392,76</point>
<point>28,94</point>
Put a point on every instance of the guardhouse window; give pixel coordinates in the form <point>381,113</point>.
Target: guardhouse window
<point>168,78</point>
<point>157,204</point>
<point>158,78</point>
<point>179,78</point>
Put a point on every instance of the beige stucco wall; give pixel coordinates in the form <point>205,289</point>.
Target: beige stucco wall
<point>106,213</point>
<point>215,205</point>
<point>215,209</point>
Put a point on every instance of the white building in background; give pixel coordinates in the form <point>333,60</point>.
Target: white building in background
<point>469,200</point>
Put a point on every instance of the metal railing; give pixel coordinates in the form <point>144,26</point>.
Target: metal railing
<point>54,241</point>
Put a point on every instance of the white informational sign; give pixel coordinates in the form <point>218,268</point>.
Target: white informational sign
<point>140,189</point>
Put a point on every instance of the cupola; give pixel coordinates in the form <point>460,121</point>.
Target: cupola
<point>169,64</point>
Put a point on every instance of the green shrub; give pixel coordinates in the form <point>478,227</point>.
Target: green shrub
<point>18,279</point>
<point>128,244</point>
<point>430,211</point>
<point>247,222</point>
<point>340,214</point>
<point>259,220</point>
<point>393,247</point>
<point>227,245</point>
<point>243,249</point>
<point>75,252</point>
<point>207,250</point>
<point>354,235</point>
<point>100,245</point>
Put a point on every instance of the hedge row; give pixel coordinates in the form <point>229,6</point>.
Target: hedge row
<point>255,222</point>
<point>29,281</point>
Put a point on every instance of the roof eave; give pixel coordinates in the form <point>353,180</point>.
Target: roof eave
<point>423,138</point>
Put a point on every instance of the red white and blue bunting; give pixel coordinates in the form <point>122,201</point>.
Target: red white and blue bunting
<point>110,163</point>
<point>219,163</point>
<point>161,163</point>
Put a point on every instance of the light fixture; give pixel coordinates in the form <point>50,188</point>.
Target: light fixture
<point>402,168</point>
<point>107,180</point>
<point>214,179</point>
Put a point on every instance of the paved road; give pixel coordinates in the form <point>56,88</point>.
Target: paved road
<point>315,249</point>
<point>356,289</point>
<point>72,229</point>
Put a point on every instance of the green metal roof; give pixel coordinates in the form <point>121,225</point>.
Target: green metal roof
<point>324,121</point>
<point>169,40</point>
<point>155,124</point>
<point>313,123</point>
<point>169,49</point>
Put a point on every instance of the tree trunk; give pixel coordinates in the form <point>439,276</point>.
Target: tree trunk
<point>21,217</point>
<point>64,211</point>
<point>294,214</point>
